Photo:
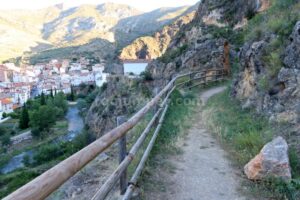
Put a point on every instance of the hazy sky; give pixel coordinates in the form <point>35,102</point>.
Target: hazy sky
<point>144,5</point>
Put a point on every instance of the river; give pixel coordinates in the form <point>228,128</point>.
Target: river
<point>75,127</point>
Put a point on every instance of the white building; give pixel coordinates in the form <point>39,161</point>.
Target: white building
<point>6,106</point>
<point>80,78</point>
<point>135,67</point>
<point>100,78</point>
<point>1,110</point>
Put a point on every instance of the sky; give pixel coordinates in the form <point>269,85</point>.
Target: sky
<point>143,5</point>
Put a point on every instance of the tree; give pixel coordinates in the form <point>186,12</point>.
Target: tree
<point>72,95</point>
<point>4,115</point>
<point>43,118</point>
<point>43,99</point>
<point>59,101</point>
<point>51,93</point>
<point>24,119</point>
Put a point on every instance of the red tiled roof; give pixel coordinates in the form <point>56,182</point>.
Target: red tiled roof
<point>6,101</point>
<point>15,106</point>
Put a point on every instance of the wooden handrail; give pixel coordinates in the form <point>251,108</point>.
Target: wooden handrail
<point>141,165</point>
<point>45,184</point>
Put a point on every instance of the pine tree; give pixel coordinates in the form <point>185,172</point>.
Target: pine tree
<point>51,93</point>
<point>24,120</point>
<point>72,96</point>
<point>43,99</point>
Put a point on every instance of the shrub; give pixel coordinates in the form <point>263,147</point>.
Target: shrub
<point>26,160</point>
<point>13,115</point>
<point>36,133</point>
<point>4,115</point>
<point>3,131</point>
<point>147,76</point>
<point>104,87</point>
<point>15,181</point>
<point>294,162</point>
<point>274,63</point>
<point>5,140</point>
<point>170,55</point>
<point>146,91</point>
<point>47,153</point>
<point>264,83</point>
<point>250,14</point>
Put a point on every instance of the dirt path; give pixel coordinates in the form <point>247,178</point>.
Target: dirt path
<point>202,172</point>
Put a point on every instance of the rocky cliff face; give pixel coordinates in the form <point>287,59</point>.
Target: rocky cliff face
<point>233,13</point>
<point>197,45</point>
<point>269,73</point>
<point>152,47</point>
<point>281,100</point>
<point>121,96</point>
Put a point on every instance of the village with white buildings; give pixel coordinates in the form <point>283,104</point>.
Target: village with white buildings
<point>18,84</point>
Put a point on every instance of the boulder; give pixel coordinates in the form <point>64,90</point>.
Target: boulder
<point>272,161</point>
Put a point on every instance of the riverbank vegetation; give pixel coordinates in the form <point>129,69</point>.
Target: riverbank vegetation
<point>39,115</point>
<point>52,142</point>
<point>46,155</point>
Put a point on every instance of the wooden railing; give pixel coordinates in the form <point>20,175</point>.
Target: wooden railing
<point>42,186</point>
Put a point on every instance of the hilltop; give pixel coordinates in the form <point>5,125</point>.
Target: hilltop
<point>27,32</point>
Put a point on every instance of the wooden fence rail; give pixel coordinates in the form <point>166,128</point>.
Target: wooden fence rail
<point>45,184</point>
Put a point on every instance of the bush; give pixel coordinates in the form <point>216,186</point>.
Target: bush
<point>294,162</point>
<point>4,115</point>
<point>146,91</point>
<point>3,131</point>
<point>5,140</point>
<point>274,63</point>
<point>250,14</point>
<point>147,76</point>
<point>15,181</point>
<point>47,153</point>
<point>36,133</point>
<point>264,83</point>
<point>170,55</point>
<point>104,87</point>
<point>26,160</point>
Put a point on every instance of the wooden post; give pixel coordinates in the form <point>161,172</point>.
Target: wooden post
<point>122,155</point>
<point>155,108</point>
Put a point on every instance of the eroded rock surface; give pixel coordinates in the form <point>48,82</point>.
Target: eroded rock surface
<point>272,161</point>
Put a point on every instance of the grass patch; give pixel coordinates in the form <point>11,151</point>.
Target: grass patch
<point>176,121</point>
<point>11,182</point>
<point>278,21</point>
<point>244,133</point>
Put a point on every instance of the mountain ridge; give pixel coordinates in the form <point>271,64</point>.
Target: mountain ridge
<point>56,27</point>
